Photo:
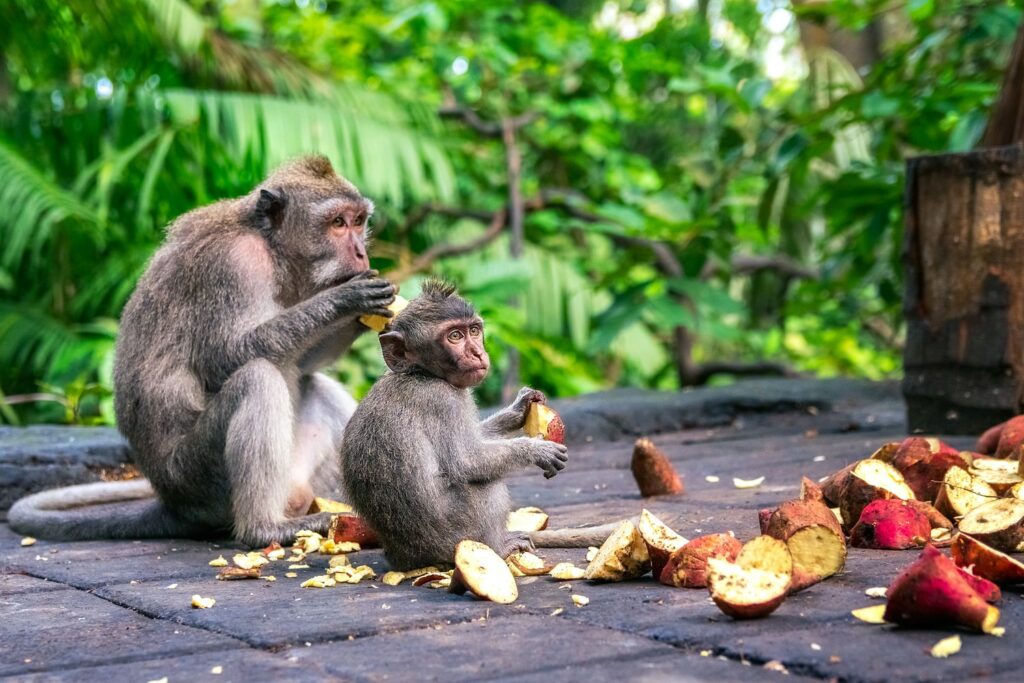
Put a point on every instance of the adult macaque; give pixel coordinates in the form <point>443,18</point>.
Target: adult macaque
<point>215,379</point>
<point>418,463</point>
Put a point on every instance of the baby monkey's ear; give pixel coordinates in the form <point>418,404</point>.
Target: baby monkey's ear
<point>396,355</point>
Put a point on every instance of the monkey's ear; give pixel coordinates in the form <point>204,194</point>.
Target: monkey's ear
<point>269,209</point>
<point>396,355</point>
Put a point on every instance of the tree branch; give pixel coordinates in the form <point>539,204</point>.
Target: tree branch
<point>780,263</point>
<point>439,251</point>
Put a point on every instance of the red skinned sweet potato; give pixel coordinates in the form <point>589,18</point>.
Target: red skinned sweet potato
<point>354,529</point>
<point>988,442</point>
<point>932,592</point>
<point>924,468</point>
<point>998,523</point>
<point>984,560</point>
<point>661,540</point>
<point>1010,437</point>
<point>813,537</point>
<point>653,471</point>
<point>890,524</point>
<point>756,583</point>
<point>687,567</point>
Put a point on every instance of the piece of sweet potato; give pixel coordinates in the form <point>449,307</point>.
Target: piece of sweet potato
<point>813,537</point>
<point>483,573</point>
<point>346,528</point>
<point>870,480</point>
<point>960,493</point>
<point>661,540</point>
<point>653,471</point>
<point>986,561</point>
<point>932,592</point>
<point>1011,436</point>
<point>687,567</point>
<point>890,524</point>
<point>756,583</point>
<point>621,557</point>
<point>998,523</point>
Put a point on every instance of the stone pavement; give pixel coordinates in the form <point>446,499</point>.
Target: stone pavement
<point>112,611</point>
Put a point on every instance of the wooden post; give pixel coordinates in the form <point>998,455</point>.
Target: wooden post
<point>964,305</point>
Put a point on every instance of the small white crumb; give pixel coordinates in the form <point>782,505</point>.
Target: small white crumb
<point>172,586</point>
<point>819,458</point>
<point>159,680</point>
<point>815,646</point>
<point>27,541</point>
<point>580,600</point>
<point>876,592</point>
<point>747,483</point>
<point>946,647</point>
<point>556,612</point>
<point>199,602</point>
<point>42,559</point>
<point>217,670</point>
<point>712,479</point>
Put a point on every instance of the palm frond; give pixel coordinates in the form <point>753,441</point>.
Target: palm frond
<point>179,23</point>
<point>371,142</point>
<point>33,205</point>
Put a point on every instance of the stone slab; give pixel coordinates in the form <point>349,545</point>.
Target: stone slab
<point>236,665</point>
<point>274,614</point>
<point>54,630</point>
<point>46,456</point>
<point>97,563</point>
<point>477,650</point>
<point>662,667</point>
<point>11,584</point>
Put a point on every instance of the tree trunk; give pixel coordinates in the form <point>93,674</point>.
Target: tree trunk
<point>964,305</point>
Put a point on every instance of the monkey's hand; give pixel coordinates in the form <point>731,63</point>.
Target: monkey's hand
<point>365,294</point>
<point>524,399</point>
<point>549,456</point>
<point>510,420</point>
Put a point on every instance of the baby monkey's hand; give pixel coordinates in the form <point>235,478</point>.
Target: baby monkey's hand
<point>549,456</point>
<point>524,399</point>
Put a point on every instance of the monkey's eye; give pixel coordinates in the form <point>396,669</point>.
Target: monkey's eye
<point>455,336</point>
<point>474,331</point>
<point>339,220</point>
<point>361,220</point>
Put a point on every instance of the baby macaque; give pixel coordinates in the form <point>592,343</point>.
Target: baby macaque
<point>418,463</point>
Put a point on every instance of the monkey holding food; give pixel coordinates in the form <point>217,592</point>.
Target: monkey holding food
<point>215,379</point>
<point>418,463</point>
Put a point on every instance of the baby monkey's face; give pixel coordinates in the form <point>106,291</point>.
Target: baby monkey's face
<point>463,344</point>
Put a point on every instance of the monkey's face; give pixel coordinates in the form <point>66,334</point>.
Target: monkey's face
<point>463,360</point>
<point>337,232</point>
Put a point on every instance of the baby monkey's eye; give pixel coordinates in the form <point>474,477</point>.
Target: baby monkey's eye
<point>454,336</point>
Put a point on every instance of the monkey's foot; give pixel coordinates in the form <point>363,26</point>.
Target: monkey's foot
<point>516,543</point>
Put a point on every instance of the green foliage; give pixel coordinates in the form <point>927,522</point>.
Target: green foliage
<point>718,132</point>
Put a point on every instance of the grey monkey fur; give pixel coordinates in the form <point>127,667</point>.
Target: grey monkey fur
<point>418,463</point>
<point>216,382</point>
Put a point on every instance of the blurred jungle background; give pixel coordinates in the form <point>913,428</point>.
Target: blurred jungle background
<point>654,194</point>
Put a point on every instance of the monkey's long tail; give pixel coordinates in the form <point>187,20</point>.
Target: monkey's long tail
<point>580,537</point>
<point>104,510</point>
